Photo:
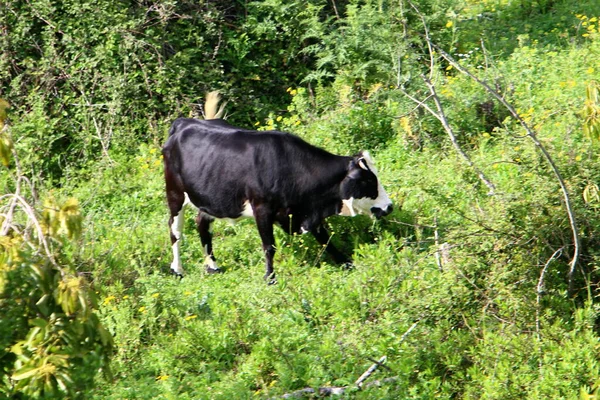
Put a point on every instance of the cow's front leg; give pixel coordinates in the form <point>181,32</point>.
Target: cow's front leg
<point>203,222</point>
<point>322,236</point>
<point>264,222</point>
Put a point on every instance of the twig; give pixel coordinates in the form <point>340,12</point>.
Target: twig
<point>419,105</point>
<point>443,120</point>
<point>409,330</point>
<point>431,59</point>
<point>335,390</point>
<point>441,116</point>
<point>335,10</point>
<point>31,215</point>
<point>533,136</point>
<point>540,289</point>
<point>359,382</point>
<point>339,390</point>
<point>539,293</point>
<point>436,237</point>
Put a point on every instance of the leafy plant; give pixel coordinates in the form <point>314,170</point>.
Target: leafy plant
<point>591,111</point>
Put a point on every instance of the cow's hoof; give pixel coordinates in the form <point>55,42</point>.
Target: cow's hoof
<point>176,274</point>
<point>212,271</point>
<point>270,279</point>
<point>348,266</point>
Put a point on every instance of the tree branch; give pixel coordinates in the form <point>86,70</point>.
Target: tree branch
<point>339,390</point>
<point>533,136</point>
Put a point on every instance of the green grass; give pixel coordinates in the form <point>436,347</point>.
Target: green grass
<point>458,289</point>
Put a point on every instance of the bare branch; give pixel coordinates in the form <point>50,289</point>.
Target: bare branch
<point>533,136</point>
<point>359,382</point>
<point>426,29</point>
<point>539,293</point>
<point>442,118</point>
<point>33,219</point>
<point>436,237</point>
<point>448,128</point>
<point>339,390</point>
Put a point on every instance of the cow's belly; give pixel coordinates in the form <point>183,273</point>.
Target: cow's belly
<point>232,212</point>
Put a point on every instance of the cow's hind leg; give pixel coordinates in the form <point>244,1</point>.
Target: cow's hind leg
<point>176,202</point>
<point>203,223</point>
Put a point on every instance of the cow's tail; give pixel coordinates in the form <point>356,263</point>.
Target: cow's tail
<point>211,106</point>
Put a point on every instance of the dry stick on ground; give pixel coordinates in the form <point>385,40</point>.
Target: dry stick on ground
<point>359,382</point>
<point>339,390</point>
<point>533,136</point>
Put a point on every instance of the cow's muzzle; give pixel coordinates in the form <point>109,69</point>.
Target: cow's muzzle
<point>382,212</point>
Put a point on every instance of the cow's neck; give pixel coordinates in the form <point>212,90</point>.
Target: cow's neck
<point>327,199</point>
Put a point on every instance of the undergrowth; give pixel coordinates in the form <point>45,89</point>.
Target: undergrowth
<point>465,293</point>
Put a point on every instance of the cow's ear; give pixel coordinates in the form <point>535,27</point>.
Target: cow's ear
<point>362,163</point>
<point>353,169</point>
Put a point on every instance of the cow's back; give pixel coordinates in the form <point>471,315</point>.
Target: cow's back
<point>221,166</point>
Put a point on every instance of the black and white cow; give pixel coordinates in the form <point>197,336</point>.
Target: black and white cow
<point>229,172</point>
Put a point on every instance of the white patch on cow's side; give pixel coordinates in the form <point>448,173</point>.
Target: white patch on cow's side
<point>247,212</point>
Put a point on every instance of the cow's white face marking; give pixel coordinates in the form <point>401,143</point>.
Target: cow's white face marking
<point>348,208</point>
<point>354,206</point>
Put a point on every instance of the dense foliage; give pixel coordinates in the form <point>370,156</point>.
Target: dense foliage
<point>466,290</point>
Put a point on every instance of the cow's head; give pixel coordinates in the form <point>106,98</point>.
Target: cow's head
<point>361,191</point>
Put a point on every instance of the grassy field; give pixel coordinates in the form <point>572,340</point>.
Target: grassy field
<point>466,294</point>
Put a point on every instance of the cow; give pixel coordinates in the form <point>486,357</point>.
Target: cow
<point>275,177</point>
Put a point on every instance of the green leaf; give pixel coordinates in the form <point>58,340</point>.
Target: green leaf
<point>5,148</point>
<point>24,373</point>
